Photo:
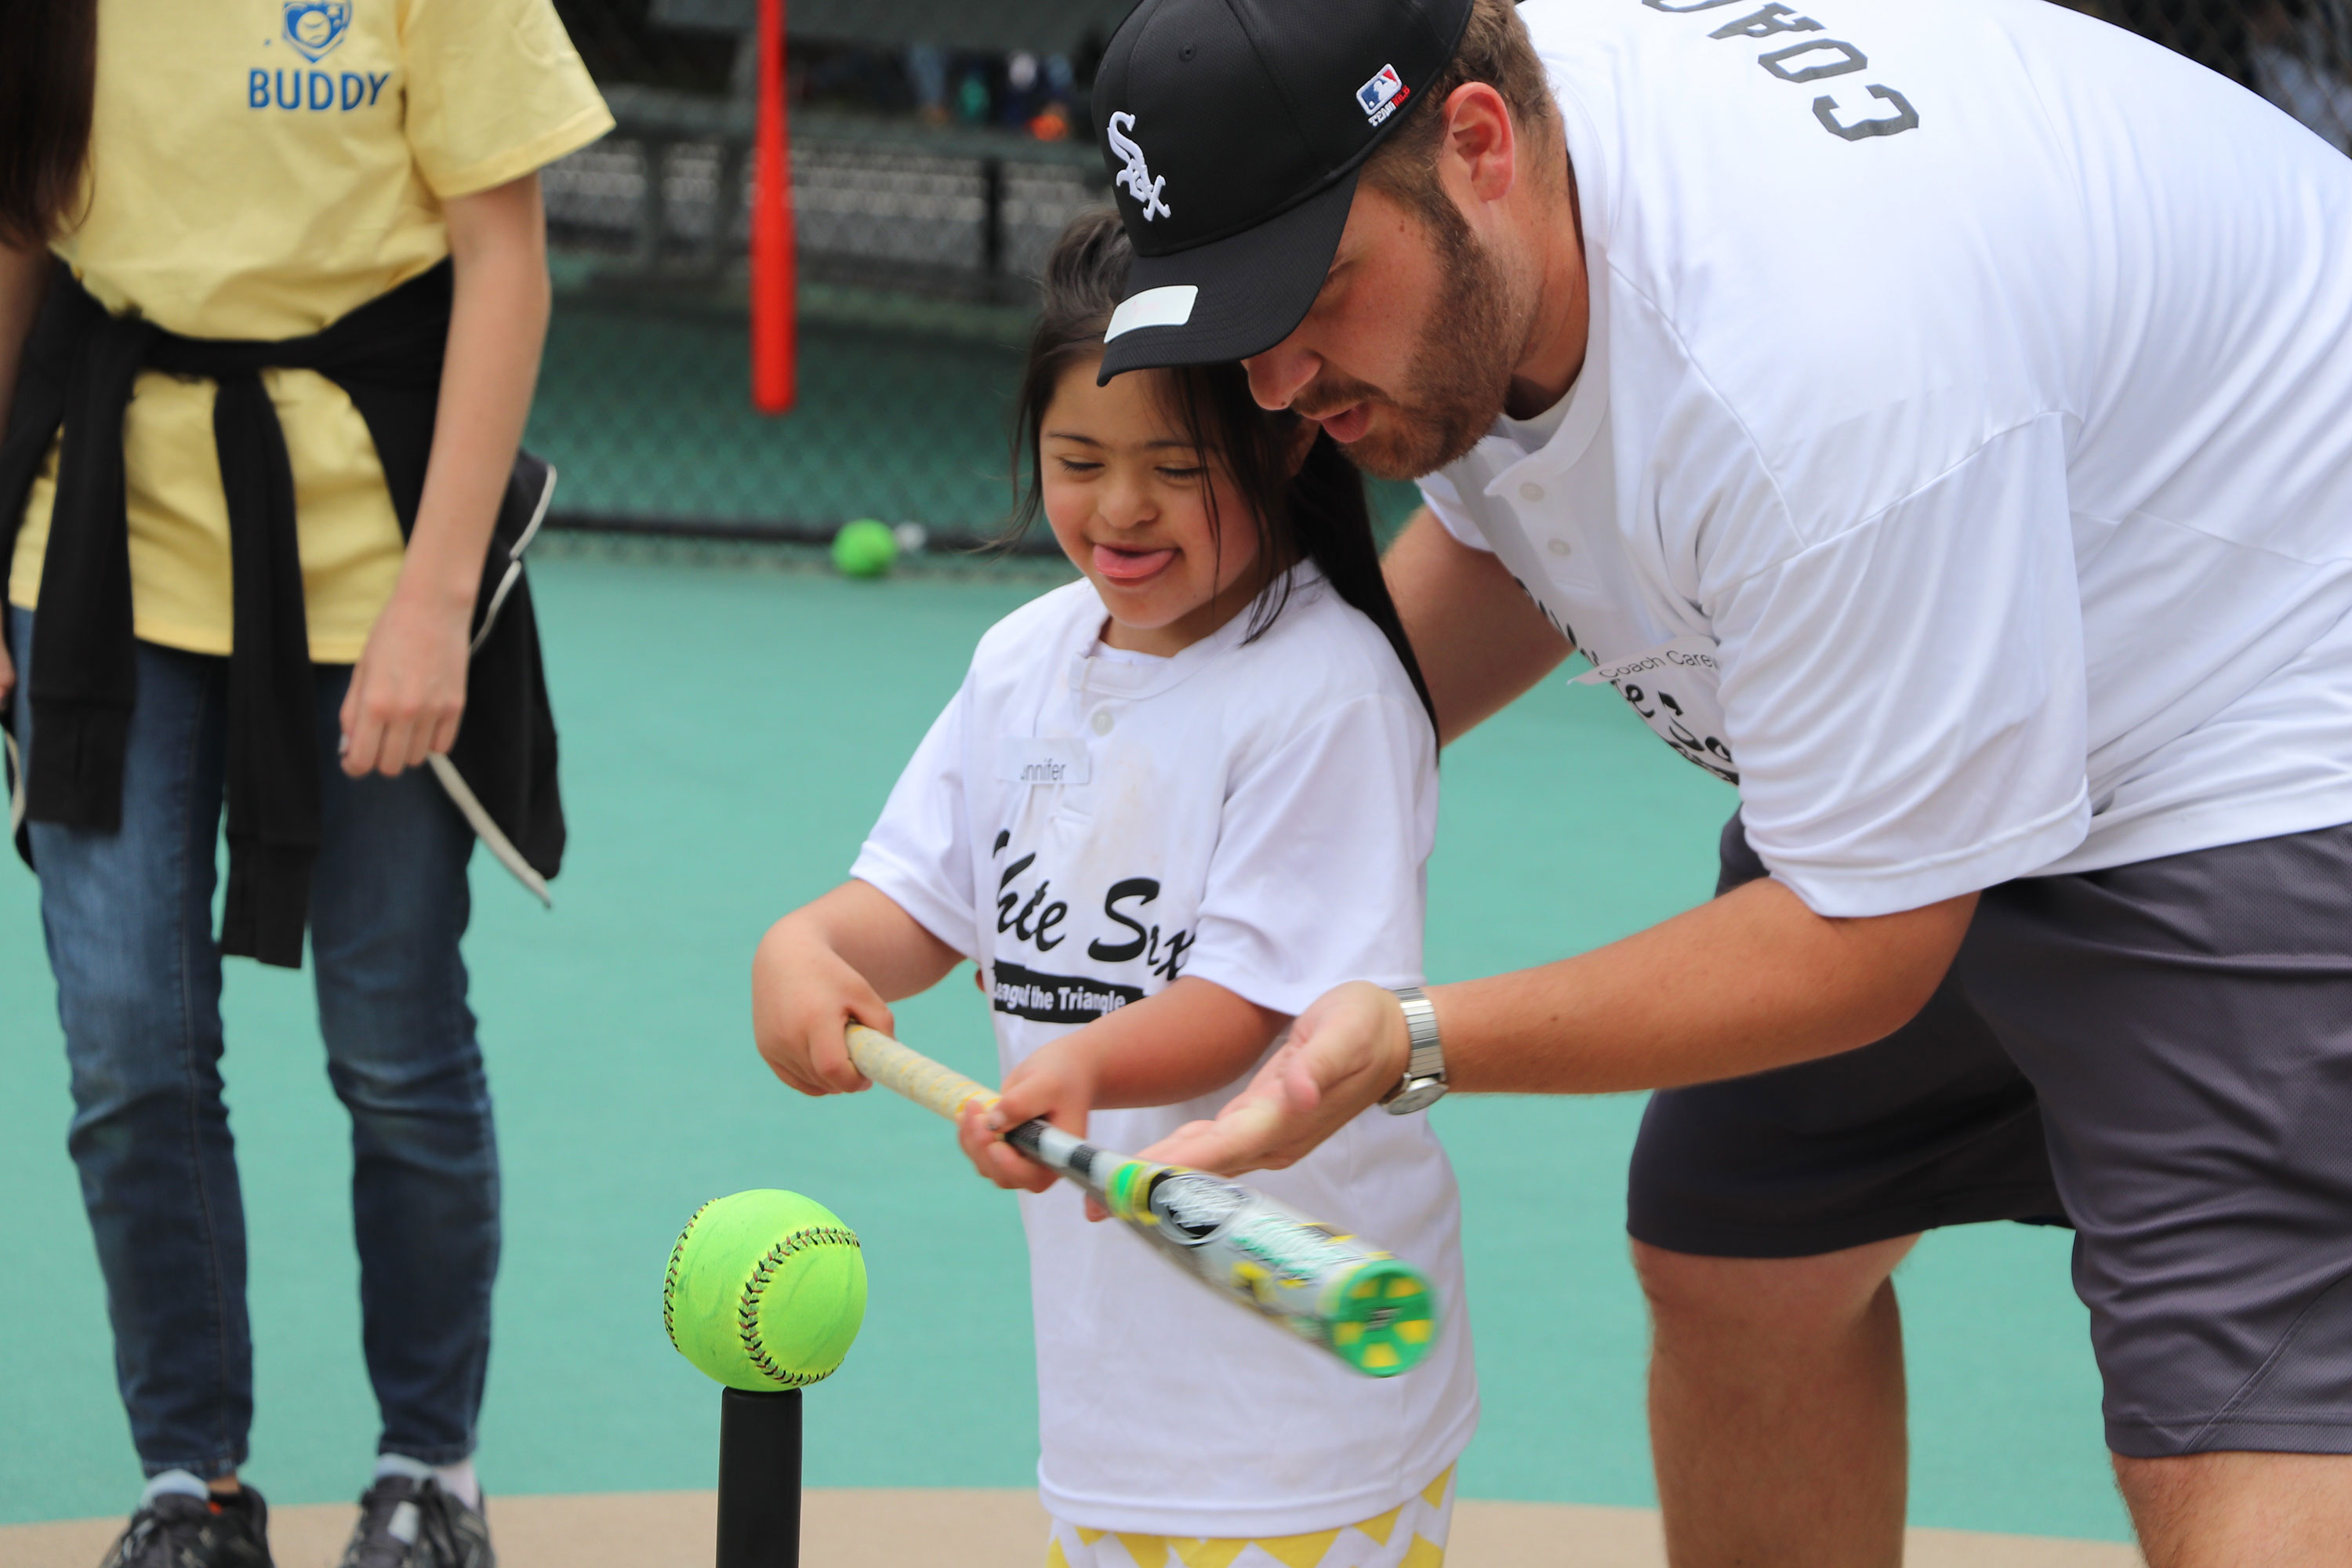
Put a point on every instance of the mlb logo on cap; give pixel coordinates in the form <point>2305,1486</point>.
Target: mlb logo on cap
<point>1379,97</point>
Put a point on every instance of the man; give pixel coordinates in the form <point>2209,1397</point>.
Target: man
<point>1936,420</point>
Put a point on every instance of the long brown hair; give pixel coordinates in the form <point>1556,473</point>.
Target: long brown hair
<point>1318,514</point>
<point>48,77</point>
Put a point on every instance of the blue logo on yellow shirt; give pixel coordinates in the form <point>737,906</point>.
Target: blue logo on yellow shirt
<point>315,26</point>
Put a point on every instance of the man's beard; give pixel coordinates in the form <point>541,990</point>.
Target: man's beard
<point>1458,377</point>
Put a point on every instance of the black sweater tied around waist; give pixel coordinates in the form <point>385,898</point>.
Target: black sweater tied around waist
<point>78,367</point>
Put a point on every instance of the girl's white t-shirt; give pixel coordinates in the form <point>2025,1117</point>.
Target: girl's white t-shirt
<point>1088,826</point>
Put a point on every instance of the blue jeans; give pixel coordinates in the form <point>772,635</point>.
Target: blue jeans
<point>128,917</point>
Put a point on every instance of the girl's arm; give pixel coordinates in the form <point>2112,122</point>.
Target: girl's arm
<point>408,691</point>
<point>840,959</point>
<point>1177,1044</point>
<point>24,274</point>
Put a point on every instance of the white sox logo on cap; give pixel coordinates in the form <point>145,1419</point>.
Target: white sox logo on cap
<point>1137,176</point>
<point>1263,106</point>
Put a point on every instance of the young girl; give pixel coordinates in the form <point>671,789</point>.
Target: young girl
<point>273,281</point>
<point>1171,805</point>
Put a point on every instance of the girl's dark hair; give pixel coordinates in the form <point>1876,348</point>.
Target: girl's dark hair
<point>48,76</point>
<point>1317,514</point>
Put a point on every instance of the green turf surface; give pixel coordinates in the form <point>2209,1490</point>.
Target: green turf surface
<point>728,736</point>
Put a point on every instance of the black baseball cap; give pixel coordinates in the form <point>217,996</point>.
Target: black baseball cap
<point>1234,132</point>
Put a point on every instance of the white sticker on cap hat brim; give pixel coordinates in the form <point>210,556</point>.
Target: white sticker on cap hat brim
<point>1168,307</point>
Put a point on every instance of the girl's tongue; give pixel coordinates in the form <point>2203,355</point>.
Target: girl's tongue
<point>1130,565</point>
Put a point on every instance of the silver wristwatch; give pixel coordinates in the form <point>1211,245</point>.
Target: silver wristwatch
<point>1423,1083</point>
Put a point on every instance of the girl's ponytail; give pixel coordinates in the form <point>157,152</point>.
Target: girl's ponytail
<point>1332,526</point>
<point>48,80</point>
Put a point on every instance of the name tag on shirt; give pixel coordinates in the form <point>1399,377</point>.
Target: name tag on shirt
<point>1674,687</point>
<point>1027,759</point>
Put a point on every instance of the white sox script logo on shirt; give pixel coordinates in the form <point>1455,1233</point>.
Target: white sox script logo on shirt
<point>1136,178</point>
<point>1034,916</point>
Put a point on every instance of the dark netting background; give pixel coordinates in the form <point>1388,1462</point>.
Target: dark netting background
<point>938,147</point>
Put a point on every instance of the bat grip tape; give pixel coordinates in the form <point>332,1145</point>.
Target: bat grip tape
<point>910,1073</point>
<point>942,1088</point>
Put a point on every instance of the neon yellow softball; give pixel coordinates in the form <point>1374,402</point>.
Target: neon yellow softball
<point>765,1290</point>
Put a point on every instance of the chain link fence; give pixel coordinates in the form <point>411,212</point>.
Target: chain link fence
<point>933,165</point>
<point>938,148</point>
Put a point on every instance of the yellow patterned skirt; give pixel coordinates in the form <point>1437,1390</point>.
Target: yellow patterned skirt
<point>1409,1535</point>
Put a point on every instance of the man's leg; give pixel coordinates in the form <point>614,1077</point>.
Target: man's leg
<point>388,906</point>
<point>2187,1023</point>
<point>1767,1214</point>
<point>2240,1509</point>
<point>1776,1407</point>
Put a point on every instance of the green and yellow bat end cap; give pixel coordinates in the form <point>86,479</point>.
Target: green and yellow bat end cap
<point>765,1290</point>
<point>1381,1318</point>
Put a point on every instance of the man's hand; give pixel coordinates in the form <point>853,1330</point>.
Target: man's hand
<point>408,691</point>
<point>1347,1050</point>
<point>7,682</point>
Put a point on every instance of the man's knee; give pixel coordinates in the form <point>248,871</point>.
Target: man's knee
<point>1796,1297</point>
<point>2204,1510</point>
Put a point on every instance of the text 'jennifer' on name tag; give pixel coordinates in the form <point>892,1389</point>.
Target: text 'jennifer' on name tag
<point>1024,759</point>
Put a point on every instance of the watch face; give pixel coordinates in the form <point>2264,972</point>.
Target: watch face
<point>1419,1093</point>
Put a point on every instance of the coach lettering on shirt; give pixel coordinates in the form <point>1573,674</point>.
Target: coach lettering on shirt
<point>1935,419</point>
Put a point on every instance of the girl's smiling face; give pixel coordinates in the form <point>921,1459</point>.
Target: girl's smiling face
<point>1127,494</point>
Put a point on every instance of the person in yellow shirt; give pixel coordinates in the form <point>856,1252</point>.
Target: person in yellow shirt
<point>273,289</point>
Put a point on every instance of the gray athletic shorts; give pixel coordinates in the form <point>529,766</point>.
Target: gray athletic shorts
<point>2161,1055</point>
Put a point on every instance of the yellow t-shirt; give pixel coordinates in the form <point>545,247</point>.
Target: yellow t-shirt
<point>258,169</point>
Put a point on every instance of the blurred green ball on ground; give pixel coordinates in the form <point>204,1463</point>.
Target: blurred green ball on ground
<point>864,549</point>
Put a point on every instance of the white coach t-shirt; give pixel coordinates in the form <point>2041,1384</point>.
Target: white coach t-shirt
<point>1963,457</point>
<point>1089,826</point>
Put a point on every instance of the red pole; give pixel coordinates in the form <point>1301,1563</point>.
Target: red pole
<point>774,326</point>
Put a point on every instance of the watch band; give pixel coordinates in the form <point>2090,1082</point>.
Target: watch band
<point>1424,1073</point>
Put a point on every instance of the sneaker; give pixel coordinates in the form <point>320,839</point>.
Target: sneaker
<point>180,1531</point>
<point>406,1523</point>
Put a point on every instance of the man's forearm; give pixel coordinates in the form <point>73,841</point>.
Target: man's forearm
<point>1747,982</point>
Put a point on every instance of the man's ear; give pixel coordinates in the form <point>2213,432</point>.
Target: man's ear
<point>1481,147</point>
